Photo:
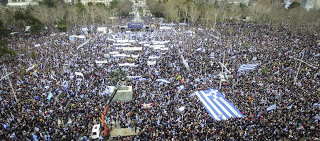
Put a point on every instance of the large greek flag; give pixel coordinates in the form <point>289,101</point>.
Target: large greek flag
<point>245,67</point>
<point>217,105</point>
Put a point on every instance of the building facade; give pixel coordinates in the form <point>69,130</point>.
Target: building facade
<point>105,2</point>
<point>309,4</point>
<point>21,3</point>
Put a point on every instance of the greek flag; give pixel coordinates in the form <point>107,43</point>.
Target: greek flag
<point>34,137</point>
<point>272,107</point>
<point>180,88</point>
<point>245,67</point>
<point>217,105</point>
<point>50,96</point>
<point>163,80</point>
<point>107,91</point>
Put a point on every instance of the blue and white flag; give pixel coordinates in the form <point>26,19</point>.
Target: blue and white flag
<point>65,85</point>
<point>180,88</point>
<point>35,137</point>
<point>289,107</point>
<point>36,97</point>
<point>245,67</point>
<point>163,80</point>
<point>217,105</point>
<point>50,96</point>
<point>35,74</point>
<point>272,107</point>
<point>108,90</point>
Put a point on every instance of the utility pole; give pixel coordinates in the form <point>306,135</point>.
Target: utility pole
<point>7,75</point>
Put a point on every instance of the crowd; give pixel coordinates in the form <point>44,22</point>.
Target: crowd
<point>78,101</point>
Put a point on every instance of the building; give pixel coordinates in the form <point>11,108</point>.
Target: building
<point>318,4</point>
<point>105,2</point>
<point>230,1</point>
<point>309,4</point>
<point>21,3</point>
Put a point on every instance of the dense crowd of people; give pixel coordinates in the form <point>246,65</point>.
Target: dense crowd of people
<point>193,60</point>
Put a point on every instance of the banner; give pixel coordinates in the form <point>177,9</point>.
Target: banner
<point>217,105</point>
<point>144,106</point>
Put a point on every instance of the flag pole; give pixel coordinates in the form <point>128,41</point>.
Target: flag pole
<point>295,78</point>
<point>7,75</point>
<point>221,74</point>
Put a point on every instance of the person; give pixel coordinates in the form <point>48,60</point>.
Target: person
<point>78,101</point>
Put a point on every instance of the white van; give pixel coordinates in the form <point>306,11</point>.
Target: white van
<point>95,131</point>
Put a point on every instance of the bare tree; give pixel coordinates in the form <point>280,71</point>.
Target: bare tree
<point>208,15</point>
<point>172,11</point>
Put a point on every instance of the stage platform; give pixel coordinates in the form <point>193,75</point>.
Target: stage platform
<point>124,132</point>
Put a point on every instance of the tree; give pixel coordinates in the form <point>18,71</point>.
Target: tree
<point>48,3</point>
<point>113,4</point>
<point>62,26</point>
<point>118,76</point>
<point>33,55</point>
<point>4,32</point>
<point>156,8</point>
<point>5,51</point>
<point>140,9</point>
<point>194,12</point>
<point>36,26</point>
<point>172,10</point>
<point>124,7</point>
<point>4,2</point>
<point>208,15</point>
<point>264,70</point>
<point>294,5</point>
<point>27,18</point>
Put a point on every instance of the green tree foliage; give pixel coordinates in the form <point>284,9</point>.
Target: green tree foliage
<point>33,55</point>
<point>4,32</point>
<point>80,7</point>
<point>294,5</point>
<point>100,4</point>
<point>62,25</point>
<point>19,15</point>
<point>90,4</point>
<point>113,4</point>
<point>4,50</point>
<point>36,28</point>
<point>156,8</point>
<point>118,75</point>
<point>48,3</point>
<point>121,7</point>
<point>28,19</point>
<point>4,2</point>
<point>264,70</point>
<point>140,11</point>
